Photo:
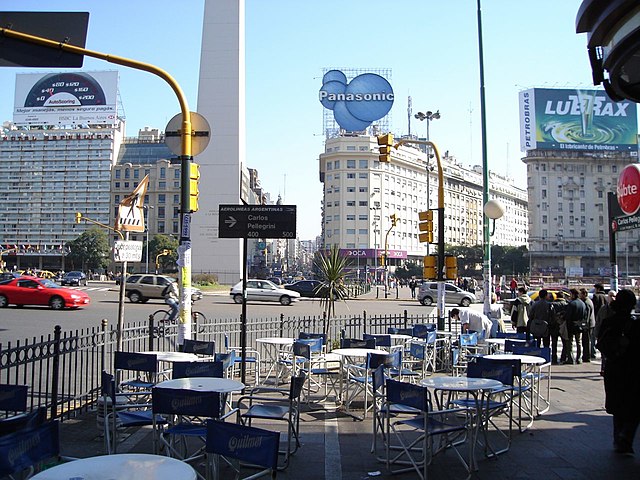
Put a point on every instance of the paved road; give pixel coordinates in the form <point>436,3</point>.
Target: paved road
<point>29,322</point>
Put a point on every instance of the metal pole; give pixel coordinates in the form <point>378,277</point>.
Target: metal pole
<point>146,267</point>
<point>121,297</point>
<point>486,236</point>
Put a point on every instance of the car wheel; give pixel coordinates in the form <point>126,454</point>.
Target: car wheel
<point>426,301</point>
<point>135,297</point>
<point>56,303</point>
<point>4,301</point>
<point>284,300</point>
<point>465,302</point>
<point>237,298</point>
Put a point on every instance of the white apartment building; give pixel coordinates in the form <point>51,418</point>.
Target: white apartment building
<point>360,195</point>
<point>568,215</point>
<point>46,176</point>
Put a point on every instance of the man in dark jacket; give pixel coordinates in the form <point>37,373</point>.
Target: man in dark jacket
<point>540,319</point>
<point>575,316</point>
<point>599,300</point>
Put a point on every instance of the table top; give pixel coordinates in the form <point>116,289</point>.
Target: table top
<point>276,340</point>
<point>204,384</point>
<point>357,352</point>
<point>173,356</point>
<point>461,384</point>
<point>128,466</point>
<point>528,359</point>
<point>501,341</point>
<point>399,336</point>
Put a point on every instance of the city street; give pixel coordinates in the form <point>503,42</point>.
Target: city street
<point>28,322</point>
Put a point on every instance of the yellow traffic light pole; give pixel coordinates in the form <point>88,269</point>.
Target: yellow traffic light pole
<point>161,254</point>
<point>382,140</point>
<point>184,258</point>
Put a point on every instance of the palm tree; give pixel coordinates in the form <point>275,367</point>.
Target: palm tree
<point>332,268</point>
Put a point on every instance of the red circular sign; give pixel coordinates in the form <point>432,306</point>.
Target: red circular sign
<point>629,189</point>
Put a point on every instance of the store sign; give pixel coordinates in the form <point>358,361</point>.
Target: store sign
<point>356,103</point>
<point>628,189</point>
<point>372,253</point>
<point>586,120</point>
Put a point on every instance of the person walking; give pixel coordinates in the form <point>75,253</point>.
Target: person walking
<point>513,286</point>
<point>588,327</point>
<point>575,318</point>
<point>539,320</point>
<point>619,343</point>
<point>412,287</point>
<point>599,300</point>
<point>520,311</point>
<point>558,329</point>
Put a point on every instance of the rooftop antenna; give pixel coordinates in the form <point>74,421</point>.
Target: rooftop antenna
<point>409,114</point>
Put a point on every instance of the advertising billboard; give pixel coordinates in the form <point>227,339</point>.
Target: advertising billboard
<point>566,119</point>
<point>66,98</point>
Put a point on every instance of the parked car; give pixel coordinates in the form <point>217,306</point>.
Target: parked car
<point>264,290</point>
<point>306,288</point>
<point>141,287</point>
<point>74,278</point>
<point>428,294</point>
<point>40,291</point>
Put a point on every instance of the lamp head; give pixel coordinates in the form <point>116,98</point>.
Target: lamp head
<point>493,209</point>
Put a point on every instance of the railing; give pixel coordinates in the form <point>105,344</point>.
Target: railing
<point>62,369</point>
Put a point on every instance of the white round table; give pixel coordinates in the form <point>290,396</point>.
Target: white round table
<point>128,466</point>
<point>461,384</point>
<point>204,384</point>
<point>526,359</point>
<point>273,347</point>
<point>173,356</point>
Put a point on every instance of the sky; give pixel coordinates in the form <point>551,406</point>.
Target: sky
<point>431,47</point>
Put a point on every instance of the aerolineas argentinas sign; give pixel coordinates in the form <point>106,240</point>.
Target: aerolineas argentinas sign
<point>358,103</point>
<point>564,119</point>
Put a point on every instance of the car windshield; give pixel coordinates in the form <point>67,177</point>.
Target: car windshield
<point>74,274</point>
<point>49,283</point>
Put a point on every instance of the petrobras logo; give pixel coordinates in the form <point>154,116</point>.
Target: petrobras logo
<point>358,103</point>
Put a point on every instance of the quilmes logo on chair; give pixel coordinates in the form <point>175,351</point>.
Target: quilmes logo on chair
<point>358,103</point>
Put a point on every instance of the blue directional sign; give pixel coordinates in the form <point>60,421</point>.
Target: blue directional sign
<point>257,221</point>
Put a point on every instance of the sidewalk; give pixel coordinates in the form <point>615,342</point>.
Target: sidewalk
<point>571,441</point>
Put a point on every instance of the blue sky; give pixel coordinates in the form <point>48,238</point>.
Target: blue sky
<point>431,46</point>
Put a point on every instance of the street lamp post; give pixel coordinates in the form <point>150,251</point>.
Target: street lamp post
<point>146,208</point>
<point>493,210</point>
<point>428,116</point>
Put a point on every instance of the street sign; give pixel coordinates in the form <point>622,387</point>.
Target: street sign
<point>127,251</point>
<point>257,221</point>
<point>201,134</point>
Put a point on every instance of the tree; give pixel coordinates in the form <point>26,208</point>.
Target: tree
<point>164,242</point>
<point>332,271</point>
<point>90,251</point>
<point>409,270</point>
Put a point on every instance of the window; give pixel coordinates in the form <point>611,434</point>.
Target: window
<point>351,231</point>
<point>363,203</point>
<point>136,174</point>
<point>118,171</point>
<point>336,165</point>
<point>163,172</point>
<point>544,193</point>
<point>351,203</point>
<point>544,219</point>
<point>329,166</point>
<point>351,164</point>
<point>127,173</point>
<point>363,164</point>
<point>351,175</point>
<point>363,175</point>
<point>363,189</point>
<point>351,218</point>
<point>363,231</point>
<point>162,198</point>
<point>351,189</point>
<point>363,217</point>
<point>160,212</point>
<point>336,176</point>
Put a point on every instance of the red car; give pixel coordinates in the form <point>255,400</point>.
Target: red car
<point>40,291</point>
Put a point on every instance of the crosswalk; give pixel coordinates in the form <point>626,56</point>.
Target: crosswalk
<point>92,289</point>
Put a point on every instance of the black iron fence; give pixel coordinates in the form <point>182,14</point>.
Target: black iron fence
<point>62,369</point>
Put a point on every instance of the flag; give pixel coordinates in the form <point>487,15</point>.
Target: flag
<point>130,216</point>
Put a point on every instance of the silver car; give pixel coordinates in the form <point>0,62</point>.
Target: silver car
<point>264,290</point>
<point>429,293</point>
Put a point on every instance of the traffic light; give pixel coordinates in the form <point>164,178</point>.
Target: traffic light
<point>425,226</point>
<point>78,217</point>
<point>194,180</point>
<point>451,265</point>
<point>429,263</point>
<point>385,143</point>
<point>394,219</point>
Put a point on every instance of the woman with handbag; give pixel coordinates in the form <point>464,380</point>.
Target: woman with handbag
<point>619,343</point>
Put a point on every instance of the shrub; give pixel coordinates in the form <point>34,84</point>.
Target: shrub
<point>205,279</point>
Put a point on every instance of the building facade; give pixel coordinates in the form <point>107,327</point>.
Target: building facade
<point>361,194</point>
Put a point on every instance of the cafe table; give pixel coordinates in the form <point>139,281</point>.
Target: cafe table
<point>223,386</point>
<point>170,357</point>
<point>273,347</point>
<point>123,466</point>
<point>475,387</point>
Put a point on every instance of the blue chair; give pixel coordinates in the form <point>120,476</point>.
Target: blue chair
<point>400,331</point>
<point>23,421</point>
<point>252,359</point>
<point>511,343</point>
<point>541,373</point>
<point>26,449</point>
<point>511,335</point>
<point>413,449</point>
<point>198,369</point>
<point>357,343</point>
<point>421,330</point>
<point>241,443</point>
<point>361,376</point>
<point>141,364</point>
<point>199,347</point>
<point>13,398</point>
<point>382,341</point>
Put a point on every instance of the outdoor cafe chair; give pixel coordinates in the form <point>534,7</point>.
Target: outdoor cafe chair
<point>241,446</point>
<point>410,444</point>
<point>359,378</point>
<point>122,410</point>
<point>275,405</point>
<point>382,341</point>
<point>198,369</point>
<point>199,347</point>
<point>252,359</point>
<point>145,366</point>
<point>13,398</point>
<point>307,357</point>
<point>542,373</point>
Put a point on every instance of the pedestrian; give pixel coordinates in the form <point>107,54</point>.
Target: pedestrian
<point>520,311</point>
<point>599,299</point>
<point>575,319</point>
<point>590,324</point>
<point>171,295</point>
<point>513,286</point>
<point>558,329</point>
<point>619,343</point>
<point>412,287</point>
<point>539,320</point>
<point>472,321</point>
<point>605,311</point>
<point>495,315</point>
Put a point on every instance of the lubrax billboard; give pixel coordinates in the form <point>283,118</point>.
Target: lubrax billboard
<point>586,120</point>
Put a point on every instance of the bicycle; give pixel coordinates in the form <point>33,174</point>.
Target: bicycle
<point>162,325</point>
